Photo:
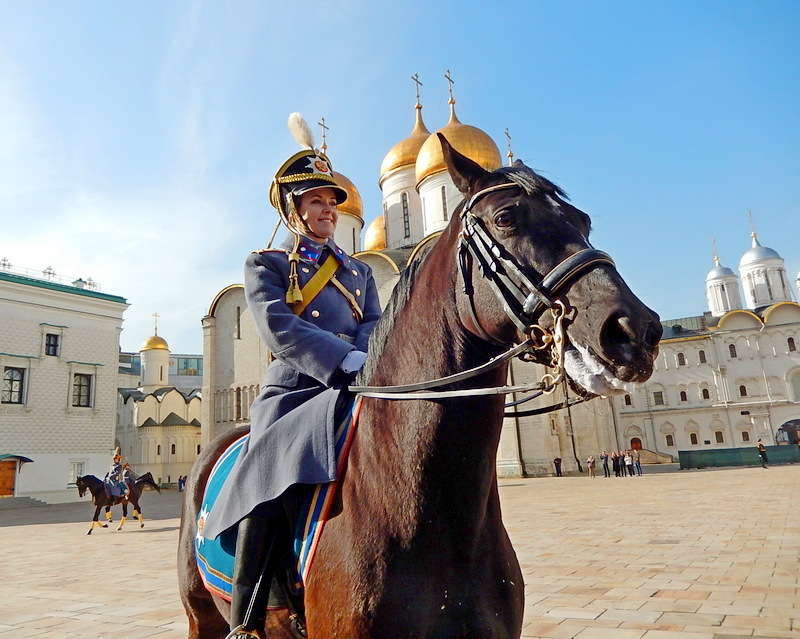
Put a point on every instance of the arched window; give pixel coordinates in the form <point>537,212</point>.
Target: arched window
<point>681,359</point>
<point>684,398</point>
<point>406,218</point>
<point>198,449</point>
<point>627,400</point>
<point>670,440</point>
<point>706,394</point>
<point>732,350</point>
<point>658,398</point>
<point>693,438</point>
<point>794,382</point>
<point>158,450</point>
<point>742,391</point>
<point>745,436</point>
<point>444,204</point>
<point>238,323</point>
<point>719,436</point>
<point>702,356</point>
<point>790,344</point>
<point>172,449</point>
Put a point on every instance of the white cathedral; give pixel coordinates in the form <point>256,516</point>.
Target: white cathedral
<point>696,403</point>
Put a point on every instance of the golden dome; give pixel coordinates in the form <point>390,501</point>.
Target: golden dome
<point>353,205</point>
<point>467,140</point>
<point>375,237</point>
<point>404,153</point>
<point>154,343</point>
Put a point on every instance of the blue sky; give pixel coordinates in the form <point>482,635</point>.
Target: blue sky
<point>137,140</point>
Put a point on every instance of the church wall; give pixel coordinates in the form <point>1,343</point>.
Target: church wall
<point>401,181</point>
<point>238,360</point>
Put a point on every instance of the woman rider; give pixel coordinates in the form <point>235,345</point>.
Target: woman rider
<point>314,307</point>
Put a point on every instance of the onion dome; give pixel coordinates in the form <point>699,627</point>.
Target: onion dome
<point>405,153</point>
<point>719,271</point>
<point>467,140</point>
<point>757,253</point>
<point>353,205</point>
<point>375,237</point>
<point>154,343</point>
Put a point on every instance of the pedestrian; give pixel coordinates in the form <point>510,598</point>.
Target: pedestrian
<point>762,454</point>
<point>317,328</point>
<point>604,460</point>
<point>637,462</point>
<point>557,464</point>
<point>180,483</point>
<point>629,463</point>
<point>590,463</point>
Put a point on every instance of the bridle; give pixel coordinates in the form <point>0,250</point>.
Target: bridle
<point>524,302</point>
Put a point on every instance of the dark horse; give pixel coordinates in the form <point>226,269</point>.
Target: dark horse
<point>100,499</point>
<point>415,546</point>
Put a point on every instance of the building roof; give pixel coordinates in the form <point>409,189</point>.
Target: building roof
<point>62,288</point>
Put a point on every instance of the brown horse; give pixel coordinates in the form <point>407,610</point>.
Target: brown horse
<point>415,546</point>
<point>100,498</point>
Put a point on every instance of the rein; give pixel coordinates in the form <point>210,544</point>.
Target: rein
<point>523,301</point>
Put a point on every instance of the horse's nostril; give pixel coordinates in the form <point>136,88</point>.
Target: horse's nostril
<point>627,327</point>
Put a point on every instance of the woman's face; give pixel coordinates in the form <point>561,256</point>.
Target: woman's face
<point>318,210</point>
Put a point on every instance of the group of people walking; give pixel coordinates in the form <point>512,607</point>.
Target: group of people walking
<point>625,463</point>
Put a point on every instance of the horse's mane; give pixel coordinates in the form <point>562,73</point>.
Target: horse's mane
<point>397,301</point>
<point>530,181</point>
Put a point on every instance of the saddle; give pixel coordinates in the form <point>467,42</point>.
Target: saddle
<point>307,510</point>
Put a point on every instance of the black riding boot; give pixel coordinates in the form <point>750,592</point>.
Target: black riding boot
<point>252,575</point>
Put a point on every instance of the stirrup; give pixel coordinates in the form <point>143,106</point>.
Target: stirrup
<point>240,632</point>
<point>298,627</point>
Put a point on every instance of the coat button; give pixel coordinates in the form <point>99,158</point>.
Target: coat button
<point>314,313</point>
<point>358,291</point>
<point>355,272</point>
<point>305,270</point>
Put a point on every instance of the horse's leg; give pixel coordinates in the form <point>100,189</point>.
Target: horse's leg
<point>137,512</point>
<point>124,514</point>
<point>94,520</point>
<point>109,520</point>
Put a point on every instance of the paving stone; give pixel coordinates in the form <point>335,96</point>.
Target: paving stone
<point>673,556</point>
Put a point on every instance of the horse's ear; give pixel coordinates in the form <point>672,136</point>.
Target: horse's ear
<point>464,172</point>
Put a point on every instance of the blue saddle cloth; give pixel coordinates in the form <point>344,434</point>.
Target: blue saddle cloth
<point>215,557</point>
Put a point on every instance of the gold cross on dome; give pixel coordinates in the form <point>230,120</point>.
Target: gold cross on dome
<point>155,323</point>
<point>450,87</point>
<point>415,78</point>
<point>510,153</point>
<point>325,128</point>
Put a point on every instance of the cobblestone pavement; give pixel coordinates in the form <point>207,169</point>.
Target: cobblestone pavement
<point>685,555</point>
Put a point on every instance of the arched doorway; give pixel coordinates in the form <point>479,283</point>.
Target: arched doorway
<point>789,433</point>
<point>636,443</point>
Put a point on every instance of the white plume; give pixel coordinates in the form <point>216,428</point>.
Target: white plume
<point>300,130</point>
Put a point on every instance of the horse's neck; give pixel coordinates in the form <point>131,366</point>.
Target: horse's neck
<point>441,452</point>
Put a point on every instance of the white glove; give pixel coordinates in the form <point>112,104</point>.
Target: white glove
<point>353,362</point>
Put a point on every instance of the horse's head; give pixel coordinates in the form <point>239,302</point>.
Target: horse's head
<point>524,252</point>
<point>82,486</point>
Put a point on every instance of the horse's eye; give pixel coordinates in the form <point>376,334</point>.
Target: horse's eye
<point>503,219</point>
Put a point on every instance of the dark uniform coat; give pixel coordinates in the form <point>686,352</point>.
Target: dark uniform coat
<point>292,419</point>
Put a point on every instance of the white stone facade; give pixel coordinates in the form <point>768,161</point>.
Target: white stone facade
<point>63,416</point>
<point>235,360</point>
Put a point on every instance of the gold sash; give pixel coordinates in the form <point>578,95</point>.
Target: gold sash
<point>312,288</point>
